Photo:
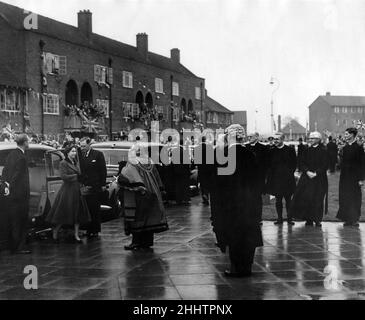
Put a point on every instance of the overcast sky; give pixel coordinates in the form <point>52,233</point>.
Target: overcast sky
<point>310,47</point>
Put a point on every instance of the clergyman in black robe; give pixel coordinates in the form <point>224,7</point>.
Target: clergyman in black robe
<point>351,180</point>
<point>280,177</point>
<point>310,198</point>
<point>235,222</point>
<point>261,153</point>
<point>332,151</point>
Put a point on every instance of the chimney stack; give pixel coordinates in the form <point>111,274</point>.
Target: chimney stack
<point>175,55</point>
<point>328,93</point>
<point>142,44</point>
<point>85,22</point>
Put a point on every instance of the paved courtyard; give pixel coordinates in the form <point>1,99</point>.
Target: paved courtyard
<point>186,265</point>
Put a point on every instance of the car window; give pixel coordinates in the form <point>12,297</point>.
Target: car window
<point>35,158</point>
<point>114,156</point>
<point>53,160</point>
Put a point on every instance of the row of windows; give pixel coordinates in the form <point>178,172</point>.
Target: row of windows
<point>346,122</point>
<point>57,65</point>
<point>214,117</point>
<point>107,73</point>
<point>8,101</point>
<point>349,109</point>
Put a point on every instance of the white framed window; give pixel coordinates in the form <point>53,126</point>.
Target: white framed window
<point>158,85</point>
<point>359,110</point>
<point>215,118</point>
<point>100,74</point>
<point>337,109</point>
<point>345,122</point>
<point>103,105</point>
<point>209,117</point>
<point>338,122</point>
<point>163,112</point>
<point>198,93</point>
<point>344,109</point>
<point>127,79</point>
<point>176,114</point>
<point>175,89</point>
<point>51,104</point>
<point>54,64</point>
<point>2,100</point>
<point>130,110</point>
<point>353,109</point>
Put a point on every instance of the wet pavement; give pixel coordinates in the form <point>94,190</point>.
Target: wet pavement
<point>185,264</point>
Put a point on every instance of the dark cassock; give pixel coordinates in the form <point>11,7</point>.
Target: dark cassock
<point>310,201</point>
<point>280,178</point>
<point>352,171</point>
<point>332,151</point>
<point>261,153</point>
<point>167,173</point>
<point>93,170</point>
<point>181,164</point>
<point>143,205</point>
<point>301,151</point>
<point>234,214</point>
<point>16,174</point>
<point>204,159</point>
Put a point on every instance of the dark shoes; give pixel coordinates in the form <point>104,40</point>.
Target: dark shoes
<point>136,247</point>
<point>279,222</point>
<point>318,225</point>
<point>349,224</point>
<point>291,223</point>
<point>309,224</point>
<point>243,274</point>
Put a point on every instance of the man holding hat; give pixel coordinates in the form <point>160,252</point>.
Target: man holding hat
<point>310,200</point>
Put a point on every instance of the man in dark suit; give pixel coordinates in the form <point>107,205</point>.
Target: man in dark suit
<point>261,153</point>
<point>204,159</point>
<point>16,175</point>
<point>93,169</point>
<point>332,151</point>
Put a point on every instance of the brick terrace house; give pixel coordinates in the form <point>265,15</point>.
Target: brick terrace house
<point>334,114</point>
<point>217,116</point>
<point>47,74</point>
<point>240,117</point>
<point>293,131</point>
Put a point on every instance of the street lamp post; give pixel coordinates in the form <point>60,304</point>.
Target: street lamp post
<point>273,81</point>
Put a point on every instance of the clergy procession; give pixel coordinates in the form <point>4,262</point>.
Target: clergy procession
<point>234,189</point>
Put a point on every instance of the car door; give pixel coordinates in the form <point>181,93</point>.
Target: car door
<point>53,179</point>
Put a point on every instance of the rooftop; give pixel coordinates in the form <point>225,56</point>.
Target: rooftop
<point>14,16</point>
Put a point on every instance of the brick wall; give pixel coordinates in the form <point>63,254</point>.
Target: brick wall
<point>80,68</point>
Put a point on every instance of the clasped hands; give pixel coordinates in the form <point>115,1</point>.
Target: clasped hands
<point>311,174</point>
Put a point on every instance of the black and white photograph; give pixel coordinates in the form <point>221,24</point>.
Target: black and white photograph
<point>179,150</point>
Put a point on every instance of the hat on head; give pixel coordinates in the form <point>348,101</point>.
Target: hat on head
<point>315,135</point>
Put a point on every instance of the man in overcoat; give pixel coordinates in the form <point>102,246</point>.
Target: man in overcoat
<point>93,170</point>
<point>16,175</point>
<point>281,180</point>
<point>351,180</point>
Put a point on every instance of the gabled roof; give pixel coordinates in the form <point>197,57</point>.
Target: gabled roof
<point>295,127</point>
<point>343,101</point>
<point>14,16</point>
<point>214,106</point>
